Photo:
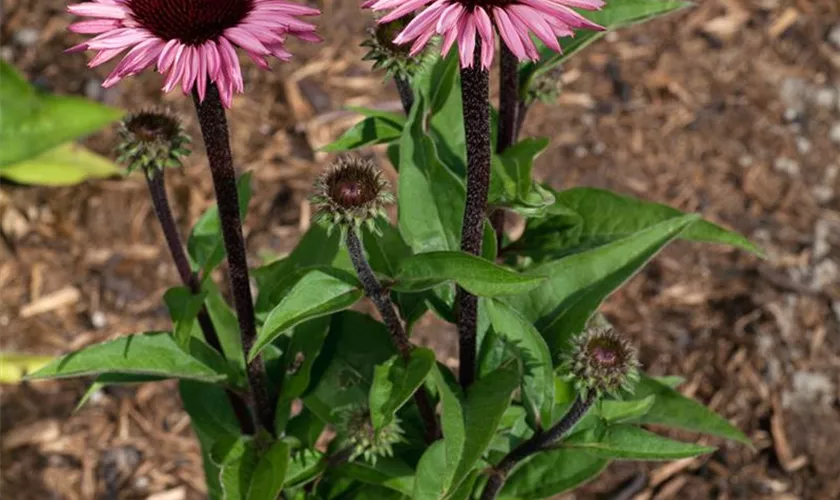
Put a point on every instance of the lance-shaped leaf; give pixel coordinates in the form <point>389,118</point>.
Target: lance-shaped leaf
<point>319,292</point>
<point>613,15</point>
<point>394,382</point>
<point>270,472</point>
<point>552,472</point>
<point>34,122</point>
<point>672,409</point>
<point>476,275</point>
<point>368,132</point>
<point>629,442</point>
<point>154,354</point>
<point>584,218</point>
<point>577,284</point>
<point>431,197</point>
<point>538,378</point>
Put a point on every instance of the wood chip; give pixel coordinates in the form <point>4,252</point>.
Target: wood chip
<point>67,296</point>
<point>179,493</point>
<point>42,431</point>
<point>784,21</point>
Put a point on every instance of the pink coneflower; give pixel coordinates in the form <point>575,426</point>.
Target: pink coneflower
<point>190,40</point>
<point>460,20</point>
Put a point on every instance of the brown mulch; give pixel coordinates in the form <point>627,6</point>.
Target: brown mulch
<point>725,109</point>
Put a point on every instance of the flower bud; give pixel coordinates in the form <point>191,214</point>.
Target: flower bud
<point>395,59</point>
<point>545,87</point>
<point>350,192</point>
<point>600,362</point>
<point>152,139</point>
<point>354,425</point>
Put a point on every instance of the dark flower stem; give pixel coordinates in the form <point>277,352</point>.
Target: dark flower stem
<point>509,109</point>
<point>381,298</point>
<point>537,443</point>
<point>406,93</point>
<point>476,100</point>
<point>155,179</point>
<point>214,129</point>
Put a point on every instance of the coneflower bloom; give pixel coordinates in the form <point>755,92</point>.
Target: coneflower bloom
<point>465,20</point>
<point>190,40</point>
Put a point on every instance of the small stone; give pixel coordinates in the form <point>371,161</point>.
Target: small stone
<point>793,92</point>
<point>834,133</point>
<point>809,388</point>
<point>599,148</point>
<point>822,194</point>
<point>791,115</point>
<point>803,145</point>
<point>7,53</point>
<point>26,37</point>
<point>581,152</point>
<point>787,166</point>
<point>745,161</point>
<point>834,36</point>
<point>825,97</point>
<point>98,320</point>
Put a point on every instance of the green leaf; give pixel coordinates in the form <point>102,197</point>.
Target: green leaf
<point>368,132</point>
<point>476,275</point>
<point>213,421</point>
<point>318,293</point>
<point>205,245</point>
<point>618,411</point>
<point>612,16</point>
<point>390,472</point>
<point>238,463</point>
<point>304,466</point>
<point>432,469</point>
<point>538,377</point>
<point>552,472</point>
<point>305,344</point>
<point>602,217</point>
<point>226,325</point>
<point>142,354</point>
<point>672,409</point>
<point>431,197</point>
<point>315,248</point>
<point>486,402</point>
<point>34,122</point>
<point>64,165</point>
<point>355,344</point>
<point>270,473</point>
<point>632,443</point>
<point>183,308</point>
<point>511,184</point>
<point>395,381</point>
<point>453,425</point>
<point>577,284</point>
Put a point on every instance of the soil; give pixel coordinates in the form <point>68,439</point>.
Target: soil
<point>730,109</point>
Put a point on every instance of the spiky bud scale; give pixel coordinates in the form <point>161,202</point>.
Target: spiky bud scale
<point>395,59</point>
<point>352,191</point>
<point>355,427</point>
<point>601,362</point>
<point>152,139</point>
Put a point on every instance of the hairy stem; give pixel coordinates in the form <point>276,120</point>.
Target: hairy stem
<point>406,93</point>
<point>381,298</point>
<point>476,99</point>
<point>214,129</point>
<point>537,443</point>
<point>509,109</point>
<point>155,179</point>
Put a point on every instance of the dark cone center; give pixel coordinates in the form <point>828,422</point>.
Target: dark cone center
<point>349,193</point>
<point>605,356</point>
<point>193,22</point>
<point>150,127</point>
